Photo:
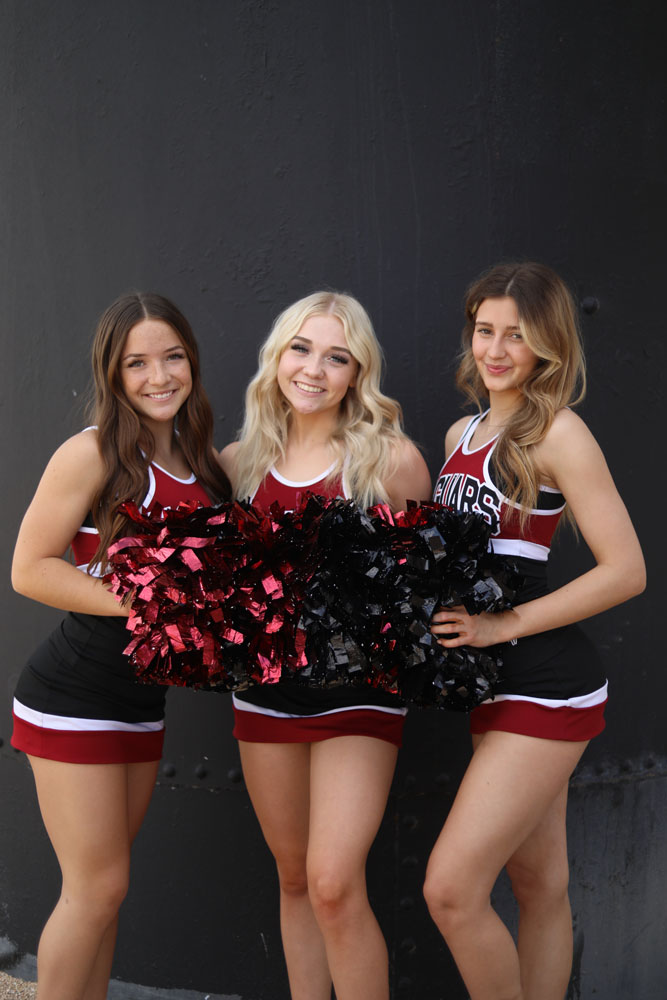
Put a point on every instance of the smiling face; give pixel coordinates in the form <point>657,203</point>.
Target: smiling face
<point>504,361</point>
<point>316,369</point>
<point>155,371</point>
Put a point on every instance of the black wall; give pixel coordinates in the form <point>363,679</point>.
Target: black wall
<point>235,156</point>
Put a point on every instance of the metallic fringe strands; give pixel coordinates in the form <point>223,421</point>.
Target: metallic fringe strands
<point>327,594</point>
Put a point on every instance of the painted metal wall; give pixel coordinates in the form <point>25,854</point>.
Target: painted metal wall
<point>236,155</point>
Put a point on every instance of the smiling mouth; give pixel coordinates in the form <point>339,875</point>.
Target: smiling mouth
<point>314,389</point>
<point>496,369</point>
<point>161,395</point>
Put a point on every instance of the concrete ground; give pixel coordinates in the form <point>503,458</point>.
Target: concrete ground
<point>17,982</point>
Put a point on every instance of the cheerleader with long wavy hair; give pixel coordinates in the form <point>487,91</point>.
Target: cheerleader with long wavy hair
<point>521,462</point>
<point>92,734</point>
<point>318,764</point>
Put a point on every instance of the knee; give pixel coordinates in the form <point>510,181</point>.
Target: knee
<point>332,894</point>
<point>545,885</point>
<point>447,897</point>
<point>100,897</point>
<point>292,878</point>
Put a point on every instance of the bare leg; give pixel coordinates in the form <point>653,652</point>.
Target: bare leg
<point>85,812</point>
<point>277,776</point>
<point>540,873</point>
<point>350,781</point>
<point>508,792</point>
<point>140,784</point>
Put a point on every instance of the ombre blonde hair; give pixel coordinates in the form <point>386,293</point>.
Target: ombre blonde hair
<point>549,326</point>
<point>369,427</point>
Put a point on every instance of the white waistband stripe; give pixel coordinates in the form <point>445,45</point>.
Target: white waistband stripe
<point>71,724</point>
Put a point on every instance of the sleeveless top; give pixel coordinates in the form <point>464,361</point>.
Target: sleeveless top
<point>466,483</point>
<point>163,488</point>
<point>275,488</point>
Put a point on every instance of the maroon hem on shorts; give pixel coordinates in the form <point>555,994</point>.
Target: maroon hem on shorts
<point>87,747</point>
<point>255,727</point>
<point>529,719</point>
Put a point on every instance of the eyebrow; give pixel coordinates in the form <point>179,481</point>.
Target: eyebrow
<point>306,340</point>
<point>483,322</point>
<point>167,350</point>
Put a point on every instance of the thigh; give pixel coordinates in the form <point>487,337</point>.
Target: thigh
<point>349,786</point>
<point>543,854</point>
<point>277,776</point>
<point>85,812</point>
<point>140,784</point>
<point>506,793</point>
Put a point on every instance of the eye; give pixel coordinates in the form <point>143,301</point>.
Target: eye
<point>135,363</point>
<point>516,336</point>
<point>299,348</point>
<point>177,356</point>
<point>339,359</point>
<point>484,331</point>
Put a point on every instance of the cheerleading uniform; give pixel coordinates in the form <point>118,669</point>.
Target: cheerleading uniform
<point>77,699</point>
<point>553,684</point>
<point>289,712</point>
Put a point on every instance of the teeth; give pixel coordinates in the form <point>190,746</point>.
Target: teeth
<point>308,388</point>
<point>161,395</point>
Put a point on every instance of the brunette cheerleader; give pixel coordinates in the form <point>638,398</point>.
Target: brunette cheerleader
<point>92,734</point>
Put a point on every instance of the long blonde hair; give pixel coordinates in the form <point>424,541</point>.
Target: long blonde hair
<point>549,326</point>
<point>369,423</point>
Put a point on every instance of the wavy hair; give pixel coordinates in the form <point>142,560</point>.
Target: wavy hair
<point>549,326</point>
<point>369,426</point>
<point>125,442</point>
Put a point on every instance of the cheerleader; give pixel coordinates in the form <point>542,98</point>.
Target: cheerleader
<point>318,764</point>
<point>92,734</point>
<point>524,461</point>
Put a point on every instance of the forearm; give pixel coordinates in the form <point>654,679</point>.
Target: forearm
<point>597,590</point>
<point>58,584</point>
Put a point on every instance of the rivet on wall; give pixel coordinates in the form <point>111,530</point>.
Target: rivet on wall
<point>590,305</point>
<point>408,946</point>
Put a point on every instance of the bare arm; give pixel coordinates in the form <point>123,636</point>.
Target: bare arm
<point>453,435</point>
<point>58,509</point>
<point>411,479</point>
<point>570,457</point>
<point>227,459</point>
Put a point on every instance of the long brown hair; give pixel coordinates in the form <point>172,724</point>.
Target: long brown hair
<point>549,326</point>
<point>125,442</point>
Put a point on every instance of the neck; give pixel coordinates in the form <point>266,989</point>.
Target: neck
<point>166,443</point>
<point>310,430</point>
<point>501,409</point>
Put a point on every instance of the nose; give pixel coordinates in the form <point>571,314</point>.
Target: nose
<point>313,366</point>
<point>158,374</point>
<point>496,348</point>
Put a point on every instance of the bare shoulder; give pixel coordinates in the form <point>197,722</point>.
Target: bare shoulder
<point>411,479</point>
<point>453,435</point>
<point>569,450</point>
<point>228,458</point>
<point>567,431</point>
<point>79,455</point>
